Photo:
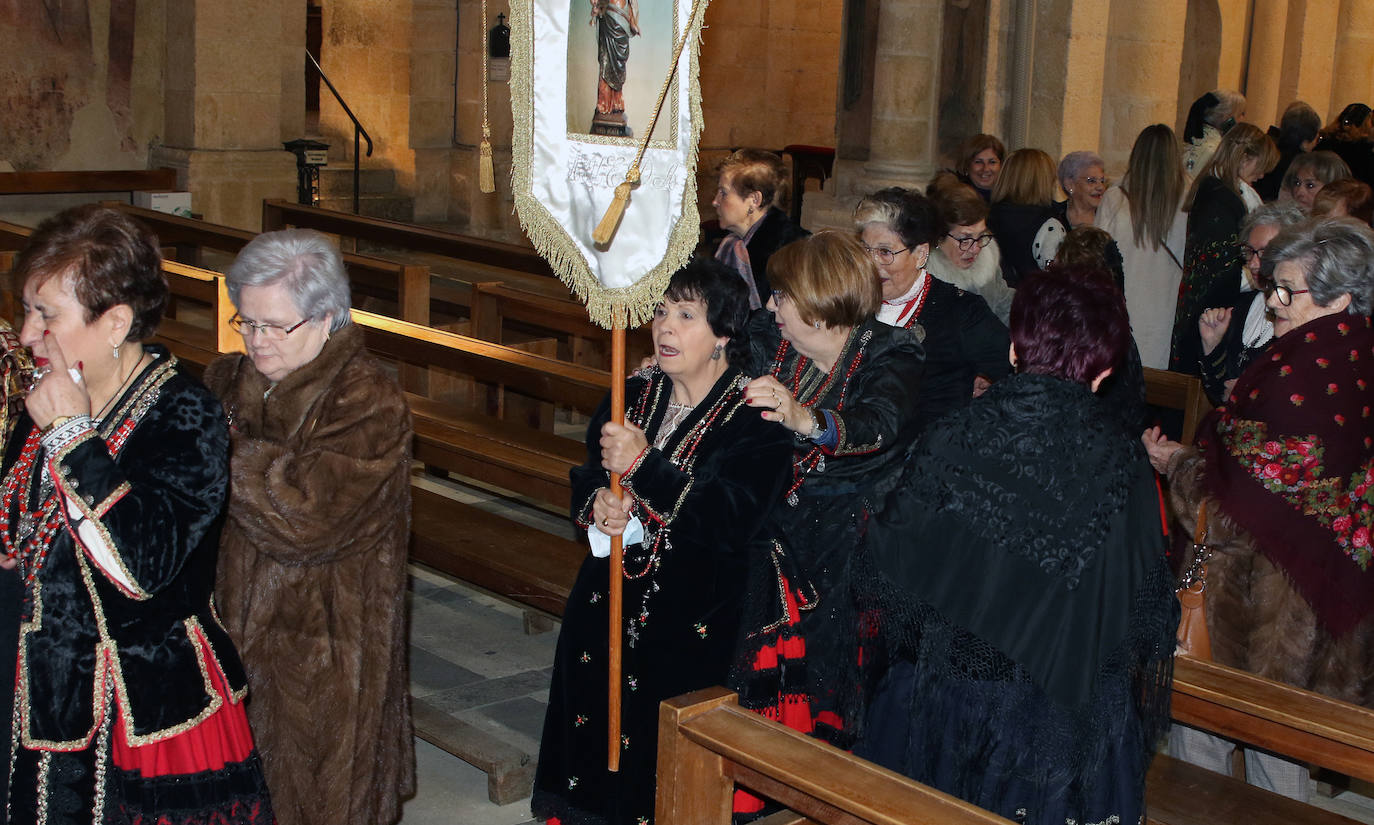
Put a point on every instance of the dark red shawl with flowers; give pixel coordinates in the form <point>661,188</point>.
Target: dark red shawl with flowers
<point>1290,457</point>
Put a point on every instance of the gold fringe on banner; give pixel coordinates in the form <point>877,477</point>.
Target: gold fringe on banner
<point>626,307</point>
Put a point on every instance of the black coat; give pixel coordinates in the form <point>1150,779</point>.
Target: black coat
<point>1231,356</point>
<point>682,601</point>
<point>775,231</point>
<point>1015,225</point>
<point>1211,264</point>
<point>159,500</point>
<point>962,340</point>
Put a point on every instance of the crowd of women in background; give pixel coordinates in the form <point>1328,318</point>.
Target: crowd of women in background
<point>951,557</point>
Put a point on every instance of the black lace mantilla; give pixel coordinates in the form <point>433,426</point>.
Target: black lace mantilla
<point>1052,507</point>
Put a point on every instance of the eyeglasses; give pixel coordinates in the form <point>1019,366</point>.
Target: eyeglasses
<point>884,256</point>
<point>778,296</point>
<point>1247,252</point>
<point>272,332</point>
<point>965,244</point>
<point>1283,293</point>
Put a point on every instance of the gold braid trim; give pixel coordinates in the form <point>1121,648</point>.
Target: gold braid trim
<point>627,307</point>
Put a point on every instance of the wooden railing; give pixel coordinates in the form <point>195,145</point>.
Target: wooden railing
<point>707,744</point>
<point>1177,391</point>
<point>60,183</point>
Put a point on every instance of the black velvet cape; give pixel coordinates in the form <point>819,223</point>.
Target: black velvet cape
<point>1028,606</point>
<point>682,600</point>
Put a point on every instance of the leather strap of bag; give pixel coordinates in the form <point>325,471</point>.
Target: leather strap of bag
<point>1193,639</point>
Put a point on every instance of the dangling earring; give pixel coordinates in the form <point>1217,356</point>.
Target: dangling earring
<point>116,353</point>
<point>751,210</point>
<point>715,354</point>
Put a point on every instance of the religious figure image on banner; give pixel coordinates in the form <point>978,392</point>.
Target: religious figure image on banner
<point>617,57</point>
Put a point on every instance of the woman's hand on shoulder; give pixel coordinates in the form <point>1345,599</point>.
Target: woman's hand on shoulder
<point>610,512</point>
<point>777,404</point>
<point>621,444</point>
<point>1160,448</point>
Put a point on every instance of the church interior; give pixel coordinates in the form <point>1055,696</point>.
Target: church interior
<point>878,92</point>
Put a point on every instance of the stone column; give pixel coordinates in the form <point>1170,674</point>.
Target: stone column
<point>223,107</point>
<point>1309,54</point>
<point>902,132</point>
<point>1263,77</point>
<point>1140,84</point>
<point>1066,98</point>
<point>1354,58</point>
<point>902,140</point>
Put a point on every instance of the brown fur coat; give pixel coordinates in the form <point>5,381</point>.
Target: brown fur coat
<point>1256,619</point>
<point>312,579</point>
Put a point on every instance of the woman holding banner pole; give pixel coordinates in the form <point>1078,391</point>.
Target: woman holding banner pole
<point>699,473</point>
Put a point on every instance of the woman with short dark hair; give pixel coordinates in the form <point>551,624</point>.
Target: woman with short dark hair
<point>701,475</point>
<point>1021,583</point>
<point>130,700</point>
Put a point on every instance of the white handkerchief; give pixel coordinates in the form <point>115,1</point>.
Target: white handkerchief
<point>601,543</point>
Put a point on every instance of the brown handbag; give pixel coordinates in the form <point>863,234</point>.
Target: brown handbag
<point>1193,639</point>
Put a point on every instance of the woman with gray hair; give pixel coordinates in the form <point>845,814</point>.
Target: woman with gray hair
<point>1084,179</point>
<point>1231,336</point>
<point>1286,469</point>
<point>312,567</point>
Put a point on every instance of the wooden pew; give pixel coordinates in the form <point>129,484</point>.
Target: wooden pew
<point>707,744</point>
<point>61,183</point>
<point>278,214</point>
<point>1177,391</point>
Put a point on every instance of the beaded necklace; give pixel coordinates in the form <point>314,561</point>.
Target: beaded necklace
<point>657,538</point>
<point>36,527</point>
<point>808,389</point>
<point>906,321</point>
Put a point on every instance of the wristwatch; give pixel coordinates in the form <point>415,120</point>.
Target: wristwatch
<point>817,425</point>
<point>57,422</point>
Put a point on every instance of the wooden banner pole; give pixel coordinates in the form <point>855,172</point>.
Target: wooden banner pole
<point>617,562</point>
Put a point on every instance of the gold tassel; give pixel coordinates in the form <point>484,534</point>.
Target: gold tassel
<point>610,221</point>
<point>486,174</point>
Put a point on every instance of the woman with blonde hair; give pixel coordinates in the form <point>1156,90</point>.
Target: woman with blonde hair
<point>1023,217</point>
<point>1218,200</point>
<point>1143,217</point>
<point>1308,173</point>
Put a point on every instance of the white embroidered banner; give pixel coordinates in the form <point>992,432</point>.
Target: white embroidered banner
<point>585,76</point>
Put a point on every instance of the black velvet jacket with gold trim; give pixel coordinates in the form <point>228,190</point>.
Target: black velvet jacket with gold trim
<point>157,502</point>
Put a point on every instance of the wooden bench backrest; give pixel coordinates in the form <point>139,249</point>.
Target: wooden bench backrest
<point>57,183</point>
<point>1177,391</point>
<point>1298,723</point>
<point>706,743</point>
<point>278,214</point>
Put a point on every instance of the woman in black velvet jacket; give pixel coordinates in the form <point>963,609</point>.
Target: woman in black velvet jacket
<point>129,691</point>
<point>701,473</point>
<point>846,386</point>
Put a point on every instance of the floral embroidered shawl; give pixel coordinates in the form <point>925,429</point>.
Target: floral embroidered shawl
<point>1290,458</point>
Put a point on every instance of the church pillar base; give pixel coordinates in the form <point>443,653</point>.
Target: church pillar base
<point>229,186</point>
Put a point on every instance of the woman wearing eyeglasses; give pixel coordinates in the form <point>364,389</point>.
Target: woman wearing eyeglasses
<point>1286,469</point>
<point>962,338</point>
<point>129,697</point>
<point>965,253</point>
<point>312,566</point>
<point>1216,203</point>
<point>1084,180</point>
